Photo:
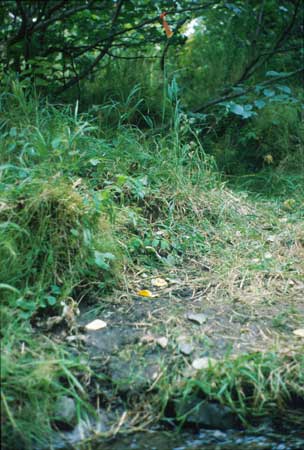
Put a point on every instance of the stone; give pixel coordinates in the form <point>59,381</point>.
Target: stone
<point>197,318</point>
<point>203,363</point>
<point>65,412</point>
<point>133,375</point>
<point>162,342</point>
<point>207,414</point>
<point>185,348</point>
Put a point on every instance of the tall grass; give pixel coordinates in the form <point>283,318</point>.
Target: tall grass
<point>69,187</point>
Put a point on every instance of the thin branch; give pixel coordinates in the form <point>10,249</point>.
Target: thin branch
<point>224,98</point>
<point>258,61</point>
<point>102,53</point>
<point>132,57</point>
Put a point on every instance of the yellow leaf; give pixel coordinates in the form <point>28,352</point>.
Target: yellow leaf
<point>268,159</point>
<point>299,332</point>
<point>159,282</point>
<point>145,293</point>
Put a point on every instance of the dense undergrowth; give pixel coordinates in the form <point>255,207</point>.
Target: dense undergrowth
<point>79,203</point>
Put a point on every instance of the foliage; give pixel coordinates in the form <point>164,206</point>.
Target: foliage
<point>254,384</point>
<point>127,176</point>
<point>58,44</point>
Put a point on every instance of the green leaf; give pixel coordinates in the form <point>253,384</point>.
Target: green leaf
<point>240,110</point>
<point>51,300</point>
<point>13,132</point>
<point>94,162</point>
<point>55,289</point>
<point>259,104</point>
<point>268,92</point>
<point>102,258</point>
<point>56,143</point>
<point>74,232</point>
<point>285,89</point>
<point>273,73</point>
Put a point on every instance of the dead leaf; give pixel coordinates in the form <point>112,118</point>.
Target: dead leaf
<point>95,325</point>
<point>268,255</point>
<point>197,318</point>
<point>159,282</point>
<point>53,321</point>
<point>203,363</point>
<point>145,293</point>
<point>162,342</point>
<point>299,332</point>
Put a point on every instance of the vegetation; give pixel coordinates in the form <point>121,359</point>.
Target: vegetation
<point>188,169</point>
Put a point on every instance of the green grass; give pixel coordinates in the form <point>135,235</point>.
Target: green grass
<point>82,206</point>
<point>253,385</point>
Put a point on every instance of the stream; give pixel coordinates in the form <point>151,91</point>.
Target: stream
<point>267,439</point>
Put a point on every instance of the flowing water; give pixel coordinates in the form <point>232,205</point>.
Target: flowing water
<point>268,439</point>
<point>206,440</point>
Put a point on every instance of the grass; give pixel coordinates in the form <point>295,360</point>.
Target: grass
<point>85,210</point>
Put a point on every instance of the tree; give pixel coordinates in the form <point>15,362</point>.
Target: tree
<point>60,42</point>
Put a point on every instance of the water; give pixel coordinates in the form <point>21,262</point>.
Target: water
<point>206,440</point>
<point>267,439</point>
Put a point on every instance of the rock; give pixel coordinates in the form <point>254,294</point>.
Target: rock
<point>185,348</point>
<point>299,332</point>
<point>96,324</point>
<point>197,318</point>
<point>203,363</point>
<point>162,342</point>
<point>133,375</point>
<point>65,412</point>
<point>207,414</point>
<point>108,341</point>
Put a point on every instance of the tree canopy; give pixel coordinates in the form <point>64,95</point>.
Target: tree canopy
<point>58,43</point>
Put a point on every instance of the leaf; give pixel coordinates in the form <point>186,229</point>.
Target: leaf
<point>273,73</point>
<point>145,293</point>
<point>94,162</point>
<point>239,110</point>
<point>285,89</point>
<point>268,158</point>
<point>95,325</point>
<point>51,300</point>
<point>102,258</point>
<point>259,104</point>
<point>13,132</point>
<point>55,289</point>
<point>268,92</point>
<point>299,332</point>
<point>55,143</point>
<point>267,255</point>
<point>159,282</point>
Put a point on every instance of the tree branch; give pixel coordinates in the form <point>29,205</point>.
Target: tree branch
<point>102,53</point>
<point>231,96</point>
